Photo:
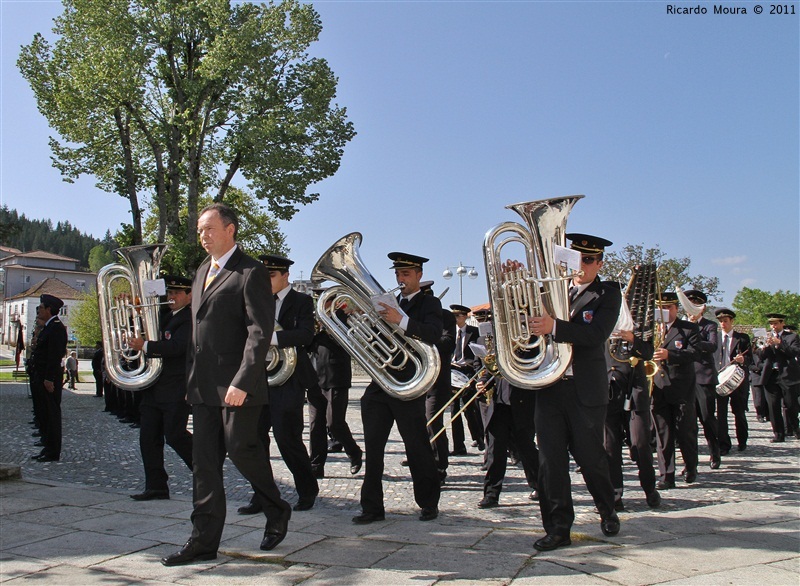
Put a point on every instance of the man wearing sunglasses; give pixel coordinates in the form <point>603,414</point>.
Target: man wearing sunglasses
<point>570,414</point>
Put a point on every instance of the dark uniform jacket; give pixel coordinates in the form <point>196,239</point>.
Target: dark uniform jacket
<point>593,314</point>
<point>297,320</point>
<point>233,323</point>
<point>445,345</point>
<point>333,363</point>
<point>704,368</point>
<point>472,363</point>
<point>631,380</point>
<point>675,379</point>
<point>424,324</point>
<point>782,362</point>
<point>740,343</point>
<point>176,331</point>
<point>51,345</point>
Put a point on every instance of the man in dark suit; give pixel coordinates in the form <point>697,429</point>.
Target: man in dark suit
<point>463,359</point>
<point>233,313</point>
<point>673,401</point>
<point>421,319</point>
<point>781,377</point>
<point>705,374</point>
<point>334,376</point>
<point>508,417</point>
<point>47,376</point>
<point>164,410</point>
<point>734,347</point>
<point>629,409</point>
<point>97,369</point>
<point>438,395</point>
<point>570,414</point>
<point>284,412</point>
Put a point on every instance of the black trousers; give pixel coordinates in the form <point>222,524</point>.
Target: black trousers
<point>510,424</point>
<point>565,425</point>
<point>473,418</point>
<point>782,401</point>
<point>706,411</point>
<point>287,428</point>
<point>317,426</point>
<point>675,423</point>
<point>738,404</point>
<point>160,423</point>
<point>638,424</point>
<point>379,412</point>
<point>49,415</point>
<point>231,430</point>
<point>98,383</point>
<point>338,399</point>
<point>434,401</point>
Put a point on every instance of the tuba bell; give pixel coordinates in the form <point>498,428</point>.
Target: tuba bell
<point>128,310</point>
<point>524,359</point>
<point>280,362</point>
<point>403,367</point>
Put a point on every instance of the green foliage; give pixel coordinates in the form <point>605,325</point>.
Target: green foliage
<point>100,256</point>
<point>84,321</point>
<point>752,306</point>
<point>27,235</point>
<point>672,272</point>
<point>166,101</point>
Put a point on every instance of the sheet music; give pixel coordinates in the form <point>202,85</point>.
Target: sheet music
<point>388,299</point>
<point>154,287</point>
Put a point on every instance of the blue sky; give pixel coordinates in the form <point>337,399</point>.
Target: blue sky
<point>682,132</point>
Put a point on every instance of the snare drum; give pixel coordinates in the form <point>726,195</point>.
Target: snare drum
<point>458,380</point>
<point>730,378</point>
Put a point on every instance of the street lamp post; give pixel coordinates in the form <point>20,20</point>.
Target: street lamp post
<point>461,270</point>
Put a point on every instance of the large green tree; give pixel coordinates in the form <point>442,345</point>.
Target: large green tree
<point>672,272</point>
<point>166,101</point>
<point>753,305</point>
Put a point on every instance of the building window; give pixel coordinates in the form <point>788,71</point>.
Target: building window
<point>81,283</point>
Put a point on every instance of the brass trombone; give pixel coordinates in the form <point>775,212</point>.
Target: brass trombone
<point>466,405</point>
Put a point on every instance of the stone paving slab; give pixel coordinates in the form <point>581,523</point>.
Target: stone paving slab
<point>739,524</point>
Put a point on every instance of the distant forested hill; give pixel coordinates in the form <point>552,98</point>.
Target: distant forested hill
<point>62,238</point>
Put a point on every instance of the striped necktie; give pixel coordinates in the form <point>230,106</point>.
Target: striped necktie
<point>212,273</point>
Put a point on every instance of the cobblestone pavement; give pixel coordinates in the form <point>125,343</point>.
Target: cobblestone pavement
<point>736,525</point>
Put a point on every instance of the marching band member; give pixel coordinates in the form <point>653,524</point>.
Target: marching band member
<point>733,347</point>
<point>781,377</point>
<point>706,376</point>
<point>570,413</point>
<point>629,408</point>
<point>421,318</point>
<point>464,360</point>
<point>673,401</point>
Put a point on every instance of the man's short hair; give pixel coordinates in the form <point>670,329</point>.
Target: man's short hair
<point>226,213</point>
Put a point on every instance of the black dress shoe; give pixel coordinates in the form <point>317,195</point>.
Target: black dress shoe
<point>534,495</point>
<point>335,447</point>
<point>488,502</point>
<point>665,484</point>
<point>404,463</point>
<point>724,451</point>
<point>36,434</point>
<point>37,456</point>
<point>551,542</point>
<point>610,526</point>
<point>459,452</point>
<point>188,554</point>
<point>653,499</point>
<point>742,447</point>
<point>46,458</point>
<point>618,505</point>
<point>305,504</point>
<point>691,476</point>
<point>429,513</point>
<point>365,518</point>
<point>481,446</point>
<point>150,495</point>
<point>135,425</point>
<point>355,466</point>
<point>714,463</point>
<point>778,439</point>
<point>761,419</point>
<point>250,508</point>
<point>39,444</point>
<point>276,532</point>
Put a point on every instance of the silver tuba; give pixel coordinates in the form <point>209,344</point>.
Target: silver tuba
<point>128,310</point>
<point>281,362</point>
<point>380,347</point>
<point>526,360</point>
